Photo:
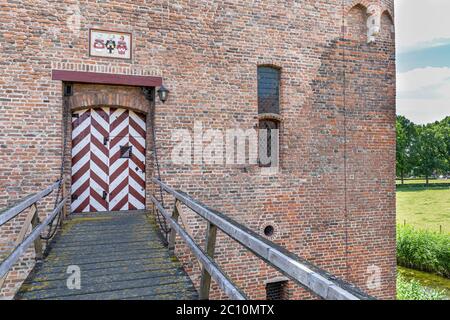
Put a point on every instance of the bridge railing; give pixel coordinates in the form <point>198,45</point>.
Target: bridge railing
<point>23,242</point>
<point>299,270</point>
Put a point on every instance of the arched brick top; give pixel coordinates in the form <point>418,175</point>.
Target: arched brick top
<point>388,14</point>
<point>366,3</point>
<point>270,116</point>
<point>270,62</point>
<point>356,21</point>
<point>89,95</point>
<point>355,3</point>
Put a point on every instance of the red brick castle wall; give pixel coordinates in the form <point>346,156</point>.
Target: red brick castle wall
<point>333,199</point>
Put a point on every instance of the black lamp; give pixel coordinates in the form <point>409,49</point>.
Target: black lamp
<point>163,93</point>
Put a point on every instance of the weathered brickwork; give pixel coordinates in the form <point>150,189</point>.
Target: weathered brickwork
<point>333,200</point>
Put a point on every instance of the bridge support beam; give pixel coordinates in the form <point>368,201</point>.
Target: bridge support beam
<point>205,282</point>
<point>37,243</point>
<point>173,233</point>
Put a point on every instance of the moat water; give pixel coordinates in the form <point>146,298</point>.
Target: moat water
<point>428,280</point>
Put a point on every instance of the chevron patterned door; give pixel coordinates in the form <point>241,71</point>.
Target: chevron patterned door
<point>108,160</point>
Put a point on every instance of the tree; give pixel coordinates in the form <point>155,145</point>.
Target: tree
<point>427,155</point>
<point>423,149</point>
<point>442,134</point>
<point>406,136</point>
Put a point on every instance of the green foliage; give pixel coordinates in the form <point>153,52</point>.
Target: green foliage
<point>406,135</point>
<point>426,151</point>
<point>412,290</point>
<point>442,133</point>
<point>422,150</point>
<point>423,250</point>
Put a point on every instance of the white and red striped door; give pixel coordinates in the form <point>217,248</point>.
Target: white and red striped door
<point>108,160</point>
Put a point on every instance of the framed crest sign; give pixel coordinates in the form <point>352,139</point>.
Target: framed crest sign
<point>110,44</point>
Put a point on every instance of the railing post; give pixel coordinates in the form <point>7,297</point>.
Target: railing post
<point>173,233</point>
<point>205,282</point>
<point>64,208</point>
<point>37,243</point>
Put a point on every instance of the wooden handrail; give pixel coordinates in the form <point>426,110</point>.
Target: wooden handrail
<point>22,243</point>
<point>25,203</point>
<point>307,275</point>
<point>20,249</point>
<point>213,269</point>
<point>22,233</point>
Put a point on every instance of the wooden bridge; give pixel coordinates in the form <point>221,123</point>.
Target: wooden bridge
<point>121,255</point>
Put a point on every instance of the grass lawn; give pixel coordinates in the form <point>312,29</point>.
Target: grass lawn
<point>424,207</point>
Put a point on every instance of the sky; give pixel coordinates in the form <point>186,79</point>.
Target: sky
<point>423,59</point>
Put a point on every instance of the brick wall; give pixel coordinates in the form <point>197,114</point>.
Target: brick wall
<point>333,201</point>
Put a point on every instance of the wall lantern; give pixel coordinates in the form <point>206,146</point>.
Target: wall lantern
<point>163,93</point>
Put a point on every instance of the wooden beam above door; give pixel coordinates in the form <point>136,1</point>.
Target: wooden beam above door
<point>106,78</point>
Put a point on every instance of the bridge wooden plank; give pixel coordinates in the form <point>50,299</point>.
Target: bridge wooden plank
<point>187,295</point>
<point>71,243</point>
<point>92,283</point>
<point>106,274</point>
<point>153,263</point>
<point>110,290</point>
<point>133,264</point>
<point>106,248</point>
<point>83,260</point>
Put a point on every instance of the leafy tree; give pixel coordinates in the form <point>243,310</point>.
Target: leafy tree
<point>427,155</point>
<point>442,133</point>
<point>406,136</point>
<point>423,149</point>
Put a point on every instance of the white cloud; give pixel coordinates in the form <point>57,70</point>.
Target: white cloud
<point>422,23</point>
<point>423,95</point>
<point>422,111</point>
<point>425,79</point>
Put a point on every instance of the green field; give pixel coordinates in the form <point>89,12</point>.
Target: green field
<point>424,207</point>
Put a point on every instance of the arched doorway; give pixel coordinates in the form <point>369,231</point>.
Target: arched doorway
<point>108,160</point>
